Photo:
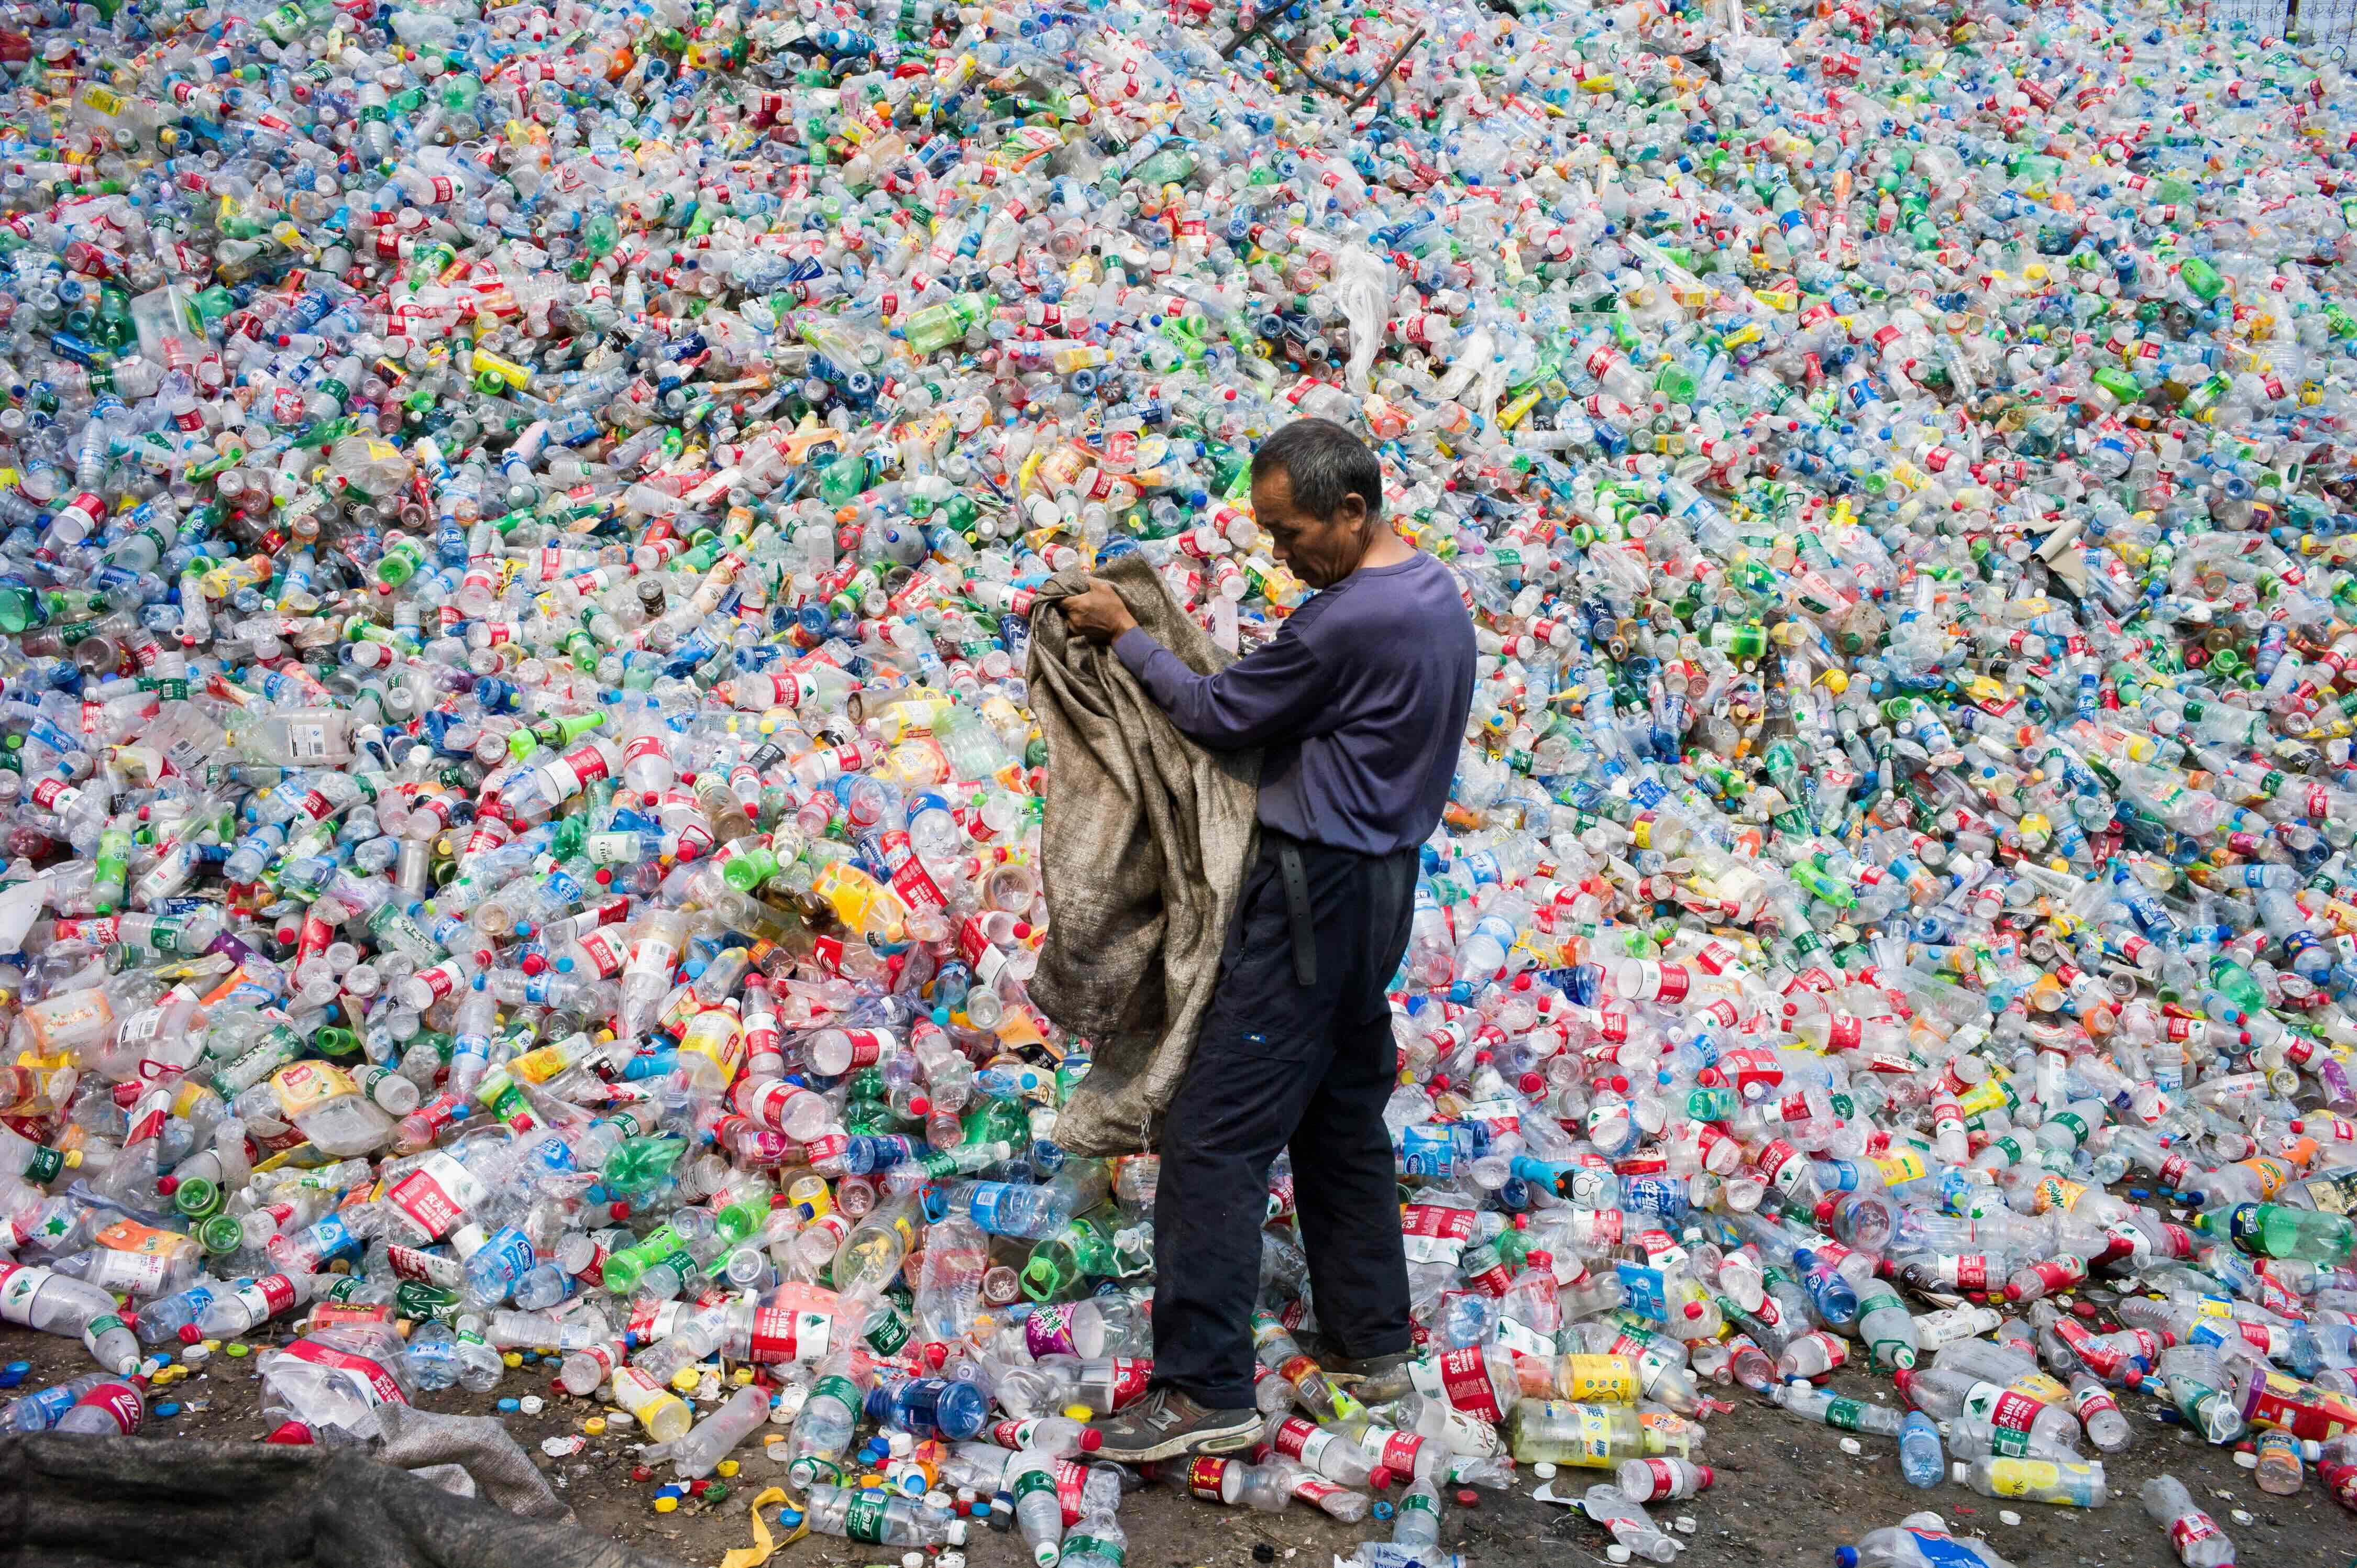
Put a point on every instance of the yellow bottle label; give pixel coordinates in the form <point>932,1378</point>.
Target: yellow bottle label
<point>1592,1443</point>
<point>2021,1477</point>
<point>1982,1098</point>
<point>1599,1380</point>
<point>540,1065</point>
<point>859,901</point>
<point>1906,1165</point>
<point>2041,1388</point>
<point>716,1037</point>
<point>306,1086</point>
<point>641,1395</point>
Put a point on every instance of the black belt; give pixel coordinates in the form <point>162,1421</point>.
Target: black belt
<point>1296,906</point>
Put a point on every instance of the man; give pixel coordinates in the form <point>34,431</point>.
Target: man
<point>1359,701</point>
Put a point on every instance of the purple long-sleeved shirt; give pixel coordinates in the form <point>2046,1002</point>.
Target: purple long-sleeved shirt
<point>1358,702</point>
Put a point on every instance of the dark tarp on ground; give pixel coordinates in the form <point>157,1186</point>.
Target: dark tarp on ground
<point>68,1502</point>
<point>1143,853</point>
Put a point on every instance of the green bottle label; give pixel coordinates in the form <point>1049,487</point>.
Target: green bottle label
<point>886,1332</point>
<point>864,1520</point>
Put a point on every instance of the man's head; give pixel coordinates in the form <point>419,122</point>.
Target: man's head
<point>1318,493</point>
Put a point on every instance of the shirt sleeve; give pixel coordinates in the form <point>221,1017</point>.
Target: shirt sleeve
<point>1278,691</point>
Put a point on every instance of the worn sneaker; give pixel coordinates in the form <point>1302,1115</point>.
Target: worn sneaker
<point>1168,1424</point>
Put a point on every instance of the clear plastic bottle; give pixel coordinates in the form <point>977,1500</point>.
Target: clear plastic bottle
<point>2198,1541</point>
<point>42,1409</point>
<point>1922,1461</point>
<point>1033,1480</point>
<point>2100,1416</point>
<point>872,1517</point>
<point>1612,1509</point>
<point>115,1408</point>
<point>712,1439</point>
<point>1654,1480</point>
<point>55,1304</point>
<point>824,1428</point>
<point>1919,1540</point>
<point>1416,1524</point>
<point>1096,1539</point>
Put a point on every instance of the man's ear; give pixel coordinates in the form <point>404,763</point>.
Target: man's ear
<point>1352,509</point>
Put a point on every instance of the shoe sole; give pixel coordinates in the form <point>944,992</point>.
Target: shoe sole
<point>1213,1442</point>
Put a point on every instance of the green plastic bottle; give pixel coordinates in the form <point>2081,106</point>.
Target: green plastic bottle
<point>2235,983</point>
<point>2276,1231</point>
<point>936,326</point>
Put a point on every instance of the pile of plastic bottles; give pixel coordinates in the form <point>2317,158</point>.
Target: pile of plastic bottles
<point>520,808</point>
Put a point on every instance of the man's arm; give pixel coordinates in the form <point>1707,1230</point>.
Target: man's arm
<point>1275,693</point>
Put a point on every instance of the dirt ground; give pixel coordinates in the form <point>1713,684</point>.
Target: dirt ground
<point>1786,1493</point>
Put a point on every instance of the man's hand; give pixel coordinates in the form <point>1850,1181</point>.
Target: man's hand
<point>1098,615</point>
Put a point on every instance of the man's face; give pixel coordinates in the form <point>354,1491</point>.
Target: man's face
<point>1321,552</point>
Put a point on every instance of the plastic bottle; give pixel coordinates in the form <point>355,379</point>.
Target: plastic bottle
<point>1922,1461</point>
<point>2199,1543</point>
<point>824,1428</point>
<point>1919,1540</point>
<point>1815,1405</point>
<point>55,1304</point>
<point>1652,1480</point>
<point>1096,1539</point>
<point>2064,1484</point>
<point>1416,1524</point>
<point>872,1517</point>
<point>663,1415</point>
<point>1037,1514</point>
<point>42,1409</point>
<point>2099,1414</point>
<point>117,1407</point>
<point>1609,1506</point>
<point>1559,1432</point>
<point>711,1439</point>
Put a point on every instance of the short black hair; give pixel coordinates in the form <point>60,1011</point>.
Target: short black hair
<point>1325,463</point>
